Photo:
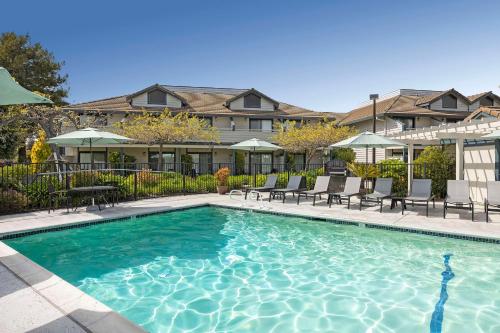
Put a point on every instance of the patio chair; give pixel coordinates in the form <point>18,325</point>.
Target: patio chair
<point>55,197</point>
<point>492,200</point>
<point>457,196</point>
<point>351,188</point>
<point>323,185</point>
<point>421,193</point>
<point>268,186</point>
<point>383,190</point>
<point>295,185</point>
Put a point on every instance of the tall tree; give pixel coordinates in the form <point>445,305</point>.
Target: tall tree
<point>166,128</point>
<point>36,69</point>
<point>33,66</point>
<point>310,137</point>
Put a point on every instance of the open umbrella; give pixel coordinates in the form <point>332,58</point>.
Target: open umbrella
<point>88,136</point>
<point>255,145</point>
<point>367,140</point>
<point>11,93</point>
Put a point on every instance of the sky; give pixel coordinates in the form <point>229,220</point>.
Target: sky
<point>322,55</point>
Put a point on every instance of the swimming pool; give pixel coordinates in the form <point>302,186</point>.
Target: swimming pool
<point>215,269</point>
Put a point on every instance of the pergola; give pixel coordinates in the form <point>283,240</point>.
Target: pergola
<point>458,132</point>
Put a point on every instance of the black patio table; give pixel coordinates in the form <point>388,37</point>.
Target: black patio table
<point>95,191</point>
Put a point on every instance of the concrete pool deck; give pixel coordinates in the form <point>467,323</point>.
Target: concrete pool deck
<point>33,299</point>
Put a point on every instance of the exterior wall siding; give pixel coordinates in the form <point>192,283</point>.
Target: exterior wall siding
<point>479,167</point>
<point>438,105</point>
<point>142,100</point>
<point>238,104</point>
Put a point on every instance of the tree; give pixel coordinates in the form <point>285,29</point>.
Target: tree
<point>309,137</point>
<point>36,69</point>
<point>33,67</point>
<point>166,128</point>
<point>40,151</point>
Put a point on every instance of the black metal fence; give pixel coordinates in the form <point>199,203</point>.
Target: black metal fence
<point>26,187</point>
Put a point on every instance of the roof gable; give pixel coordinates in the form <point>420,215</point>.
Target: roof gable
<point>476,97</point>
<point>425,100</point>
<point>491,111</point>
<point>255,92</point>
<point>156,87</point>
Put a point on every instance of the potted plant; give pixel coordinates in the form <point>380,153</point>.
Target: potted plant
<point>221,176</point>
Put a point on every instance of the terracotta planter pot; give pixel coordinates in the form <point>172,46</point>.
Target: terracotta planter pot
<point>222,189</point>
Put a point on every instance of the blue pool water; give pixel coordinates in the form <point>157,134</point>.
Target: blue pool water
<point>211,269</point>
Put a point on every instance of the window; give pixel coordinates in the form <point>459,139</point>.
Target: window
<point>264,125</point>
<point>407,123</point>
<point>449,102</point>
<point>85,159</point>
<point>202,163</point>
<point>157,97</point>
<point>261,162</point>
<point>168,161</point>
<point>486,101</point>
<point>208,120</point>
<point>251,101</point>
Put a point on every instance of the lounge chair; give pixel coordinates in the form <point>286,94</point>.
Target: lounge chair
<point>268,186</point>
<point>457,195</point>
<point>323,185</point>
<point>492,198</point>
<point>383,190</point>
<point>351,188</point>
<point>295,185</point>
<point>421,193</point>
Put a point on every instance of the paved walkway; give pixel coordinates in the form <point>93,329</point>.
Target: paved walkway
<point>35,300</point>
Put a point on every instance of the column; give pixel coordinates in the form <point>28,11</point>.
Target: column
<point>410,166</point>
<point>459,158</point>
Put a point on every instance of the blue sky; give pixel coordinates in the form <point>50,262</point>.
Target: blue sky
<point>324,55</point>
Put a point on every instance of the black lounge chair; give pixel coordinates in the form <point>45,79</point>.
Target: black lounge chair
<point>268,186</point>
<point>295,185</point>
<point>351,188</point>
<point>421,193</point>
<point>323,185</point>
<point>383,190</point>
<point>458,197</point>
<point>492,198</point>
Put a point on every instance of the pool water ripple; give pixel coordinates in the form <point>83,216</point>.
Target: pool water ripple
<point>219,270</point>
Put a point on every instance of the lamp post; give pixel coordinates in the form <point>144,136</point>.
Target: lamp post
<point>374,97</point>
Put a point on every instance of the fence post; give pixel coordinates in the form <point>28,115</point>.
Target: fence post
<point>254,175</point>
<point>135,185</point>
<point>183,183</point>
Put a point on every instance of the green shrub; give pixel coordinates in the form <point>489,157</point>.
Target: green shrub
<point>344,154</point>
<point>114,158</point>
<point>12,201</point>
<point>436,164</point>
<point>395,169</point>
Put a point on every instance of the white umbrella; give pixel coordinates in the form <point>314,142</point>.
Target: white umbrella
<point>255,145</point>
<point>367,140</point>
<point>88,136</point>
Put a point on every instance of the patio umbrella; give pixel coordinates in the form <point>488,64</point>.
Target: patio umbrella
<point>367,140</point>
<point>255,145</point>
<point>11,93</point>
<point>88,136</point>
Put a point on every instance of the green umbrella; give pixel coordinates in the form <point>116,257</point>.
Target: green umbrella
<point>88,136</point>
<point>255,145</point>
<point>11,93</point>
<point>367,140</point>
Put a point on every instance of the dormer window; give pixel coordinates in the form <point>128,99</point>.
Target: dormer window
<point>449,102</point>
<point>486,101</point>
<point>157,97</point>
<point>251,101</point>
